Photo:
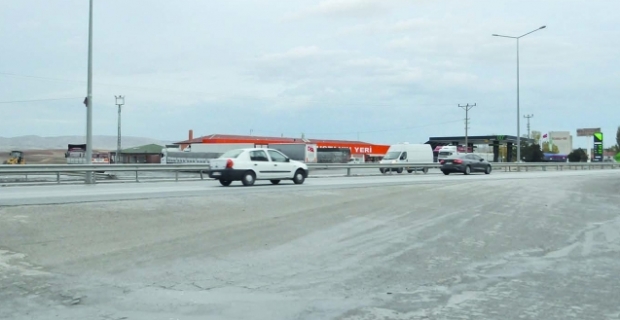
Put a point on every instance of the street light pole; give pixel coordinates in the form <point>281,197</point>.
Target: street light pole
<point>89,97</point>
<point>120,100</point>
<point>518,105</point>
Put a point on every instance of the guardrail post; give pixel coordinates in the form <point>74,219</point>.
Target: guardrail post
<point>201,175</point>
<point>348,172</point>
<point>137,180</point>
<point>176,176</point>
<point>58,177</point>
<point>544,168</point>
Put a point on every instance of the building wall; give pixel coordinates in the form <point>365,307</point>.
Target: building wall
<point>140,158</point>
<point>562,139</point>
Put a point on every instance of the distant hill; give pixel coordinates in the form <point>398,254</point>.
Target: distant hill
<point>48,143</point>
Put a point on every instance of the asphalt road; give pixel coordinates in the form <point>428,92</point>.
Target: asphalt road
<point>503,246</point>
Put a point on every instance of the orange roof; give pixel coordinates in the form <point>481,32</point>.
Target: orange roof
<point>219,137</point>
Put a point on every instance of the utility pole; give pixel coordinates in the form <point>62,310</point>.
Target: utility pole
<point>466,107</point>
<point>120,100</point>
<point>528,117</point>
<point>89,98</point>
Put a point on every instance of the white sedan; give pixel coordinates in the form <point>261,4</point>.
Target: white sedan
<point>251,164</point>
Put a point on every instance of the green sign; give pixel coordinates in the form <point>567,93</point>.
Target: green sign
<point>598,147</point>
<point>598,137</point>
<point>500,138</point>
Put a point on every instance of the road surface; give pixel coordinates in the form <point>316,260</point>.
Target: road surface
<point>503,246</point>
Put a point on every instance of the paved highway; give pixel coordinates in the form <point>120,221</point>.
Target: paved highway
<point>504,246</point>
<point>57,194</point>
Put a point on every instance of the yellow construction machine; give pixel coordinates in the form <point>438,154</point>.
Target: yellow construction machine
<point>16,157</point>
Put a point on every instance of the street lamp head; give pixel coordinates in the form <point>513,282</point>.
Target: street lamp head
<point>120,100</point>
<point>542,27</point>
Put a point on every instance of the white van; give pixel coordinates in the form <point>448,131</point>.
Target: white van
<point>446,152</point>
<point>408,154</point>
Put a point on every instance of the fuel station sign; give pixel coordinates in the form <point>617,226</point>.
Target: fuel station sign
<point>598,147</point>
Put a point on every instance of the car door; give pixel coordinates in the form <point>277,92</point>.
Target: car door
<point>281,167</point>
<point>261,164</point>
<point>476,162</point>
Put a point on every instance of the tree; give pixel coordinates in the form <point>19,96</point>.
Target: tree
<point>536,135</point>
<point>532,153</point>
<point>578,155</point>
<point>553,149</point>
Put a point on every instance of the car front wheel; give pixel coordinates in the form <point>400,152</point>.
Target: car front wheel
<point>487,170</point>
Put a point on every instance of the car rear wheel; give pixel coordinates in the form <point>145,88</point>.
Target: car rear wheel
<point>487,170</point>
<point>382,170</point>
<point>446,172</point>
<point>275,181</point>
<point>225,183</point>
<point>248,178</point>
<point>299,177</point>
<point>425,170</point>
<point>467,170</point>
<point>399,170</point>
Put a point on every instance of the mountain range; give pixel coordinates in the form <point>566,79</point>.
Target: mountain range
<point>100,142</point>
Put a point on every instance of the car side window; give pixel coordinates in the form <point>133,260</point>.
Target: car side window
<point>276,156</point>
<point>258,155</point>
<point>403,156</point>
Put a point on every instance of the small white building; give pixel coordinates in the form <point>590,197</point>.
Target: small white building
<point>563,140</point>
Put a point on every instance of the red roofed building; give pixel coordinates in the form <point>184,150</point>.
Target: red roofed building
<point>356,147</point>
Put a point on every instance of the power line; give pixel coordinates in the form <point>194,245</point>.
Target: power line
<point>200,93</point>
<point>39,100</point>
<point>371,131</point>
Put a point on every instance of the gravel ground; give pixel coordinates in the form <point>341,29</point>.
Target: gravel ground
<point>526,248</point>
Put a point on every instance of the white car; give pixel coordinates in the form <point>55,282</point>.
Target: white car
<point>250,164</point>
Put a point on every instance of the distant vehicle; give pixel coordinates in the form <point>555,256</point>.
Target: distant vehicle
<point>304,152</point>
<point>552,157</point>
<point>465,163</point>
<point>251,164</point>
<point>408,155</point>
<point>15,157</point>
<point>76,154</point>
<point>354,160</point>
<point>198,152</point>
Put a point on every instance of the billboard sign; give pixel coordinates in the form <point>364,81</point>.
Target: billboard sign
<point>587,132</point>
<point>598,147</point>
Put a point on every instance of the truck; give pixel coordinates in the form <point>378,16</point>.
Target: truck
<point>76,154</point>
<point>304,152</point>
<point>198,152</point>
<point>333,155</point>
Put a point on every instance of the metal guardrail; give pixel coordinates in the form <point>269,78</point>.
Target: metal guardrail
<point>74,169</point>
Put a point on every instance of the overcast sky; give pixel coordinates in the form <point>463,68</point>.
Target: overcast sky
<point>387,71</point>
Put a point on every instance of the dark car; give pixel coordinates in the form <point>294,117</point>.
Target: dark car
<point>465,163</point>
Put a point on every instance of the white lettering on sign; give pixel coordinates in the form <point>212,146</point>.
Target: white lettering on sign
<point>363,150</point>
<point>354,150</point>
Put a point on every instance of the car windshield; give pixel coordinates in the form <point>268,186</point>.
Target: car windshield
<point>391,155</point>
<point>231,153</point>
